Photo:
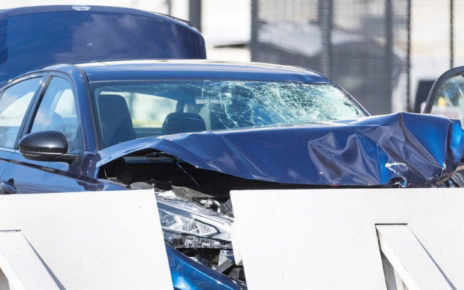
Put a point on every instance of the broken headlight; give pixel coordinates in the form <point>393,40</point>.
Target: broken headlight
<point>188,225</point>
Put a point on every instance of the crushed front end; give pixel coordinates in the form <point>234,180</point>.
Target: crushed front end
<point>193,174</point>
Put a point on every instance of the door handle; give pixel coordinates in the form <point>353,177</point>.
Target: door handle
<point>8,187</point>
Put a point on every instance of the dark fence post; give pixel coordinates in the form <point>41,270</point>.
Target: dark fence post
<point>389,49</point>
<point>254,29</point>
<point>451,34</point>
<point>195,13</point>
<point>408,59</point>
<point>325,17</point>
<point>169,4</point>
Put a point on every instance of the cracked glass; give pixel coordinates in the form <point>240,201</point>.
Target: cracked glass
<point>171,107</point>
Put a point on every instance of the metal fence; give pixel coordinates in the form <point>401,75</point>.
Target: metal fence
<point>361,44</point>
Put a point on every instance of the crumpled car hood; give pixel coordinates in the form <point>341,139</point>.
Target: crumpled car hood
<point>408,149</point>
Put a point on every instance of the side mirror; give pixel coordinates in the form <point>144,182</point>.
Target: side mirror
<point>46,146</point>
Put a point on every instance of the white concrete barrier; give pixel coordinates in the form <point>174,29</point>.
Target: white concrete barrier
<point>21,265</point>
<point>87,240</point>
<point>329,239</point>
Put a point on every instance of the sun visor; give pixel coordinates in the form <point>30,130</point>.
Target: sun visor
<point>36,37</point>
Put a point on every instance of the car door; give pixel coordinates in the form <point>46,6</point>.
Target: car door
<point>446,98</point>
<point>54,110</point>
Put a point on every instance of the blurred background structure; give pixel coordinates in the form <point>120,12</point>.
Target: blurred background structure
<point>360,44</point>
<point>386,53</point>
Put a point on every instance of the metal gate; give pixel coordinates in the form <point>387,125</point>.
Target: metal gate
<point>361,44</point>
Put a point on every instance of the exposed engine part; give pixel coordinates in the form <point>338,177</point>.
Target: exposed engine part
<point>226,261</point>
<point>227,208</point>
<point>162,172</point>
<point>186,173</point>
<point>141,185</point>
<point>212,205</point>
<point>458,179</point>
<point>238,273</point>
<point>188,193</point>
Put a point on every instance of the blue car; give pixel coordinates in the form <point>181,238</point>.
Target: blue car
<point>193,130</point>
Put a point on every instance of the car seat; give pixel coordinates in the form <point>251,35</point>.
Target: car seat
<point>115,120</point>
<point>179,122</point>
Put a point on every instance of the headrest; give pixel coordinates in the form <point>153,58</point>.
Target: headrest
<point>183,123</point>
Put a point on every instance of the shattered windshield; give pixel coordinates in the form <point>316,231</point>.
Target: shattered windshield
<point>130,110</point>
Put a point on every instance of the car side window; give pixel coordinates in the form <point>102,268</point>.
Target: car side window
<point>57,112</point>
<point>14,103</point>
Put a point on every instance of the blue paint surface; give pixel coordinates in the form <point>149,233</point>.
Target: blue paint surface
<point>188,274</point>
<point>411,150</point>
<point>189,70</point>
<point>50,35</point>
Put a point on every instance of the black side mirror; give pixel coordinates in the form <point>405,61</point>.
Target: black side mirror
<point>46,146</point>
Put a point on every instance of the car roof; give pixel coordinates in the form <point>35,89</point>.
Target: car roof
<point>197,69</point>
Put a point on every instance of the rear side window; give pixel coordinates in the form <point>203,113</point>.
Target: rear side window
<point>57,112</point>
<point>13,106</point>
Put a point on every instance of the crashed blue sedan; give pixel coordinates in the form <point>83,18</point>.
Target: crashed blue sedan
<point>195,130</point>
<point>192,130</point>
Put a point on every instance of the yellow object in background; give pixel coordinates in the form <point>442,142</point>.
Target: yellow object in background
<point>441,102</point>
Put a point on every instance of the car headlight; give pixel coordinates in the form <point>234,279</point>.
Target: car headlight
<point>183,225</point>
<point>188,225</point>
